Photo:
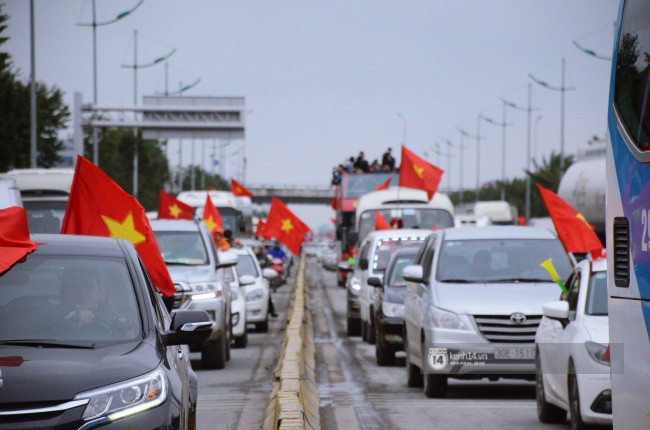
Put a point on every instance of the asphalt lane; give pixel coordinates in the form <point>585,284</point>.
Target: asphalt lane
<point>236,397</point>
<point>355,393</point>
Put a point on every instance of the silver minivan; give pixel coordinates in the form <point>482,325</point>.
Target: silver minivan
<point>474,301</point>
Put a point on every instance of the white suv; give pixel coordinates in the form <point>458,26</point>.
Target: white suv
<point>193,263</point>
<point>573,370</point>
<point>473,303</point>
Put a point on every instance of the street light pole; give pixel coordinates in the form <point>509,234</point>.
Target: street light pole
<point>503,126</point>
<point>478,158</point>
<point>529,111</point>
<point>33,129</point>
<point>136,160</point>
<point>462,150</point>
<point>562,89</point>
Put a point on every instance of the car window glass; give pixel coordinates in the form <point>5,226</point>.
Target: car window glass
<point>385,248</point>
<point>182,247</point>
<point>69,298</point>
<point>160,319</point>
<point>246,266</point>
<point>597,294</point>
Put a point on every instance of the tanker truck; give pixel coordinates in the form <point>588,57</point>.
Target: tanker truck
<point>583,185</point>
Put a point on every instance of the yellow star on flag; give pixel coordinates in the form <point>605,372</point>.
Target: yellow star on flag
<point>174,210</point>
<point>286,225</point>
<point>418,170</point>
<point>210,223</point>
<point>583,219</point>
<point>124,230</point>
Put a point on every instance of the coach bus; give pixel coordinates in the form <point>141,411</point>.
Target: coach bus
<point>628,218</point>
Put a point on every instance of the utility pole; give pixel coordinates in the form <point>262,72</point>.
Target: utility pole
<point>33,129</point>
<point>180,165</point>
<point>528,115</point>
<point>203,164</point>
<point>193,171</point>
<point>136,148</point>
<point>94,24</point>
<point>478,158</point>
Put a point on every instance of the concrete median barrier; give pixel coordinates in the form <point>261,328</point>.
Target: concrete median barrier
<point>294,402</point>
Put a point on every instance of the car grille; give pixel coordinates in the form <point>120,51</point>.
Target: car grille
<point>499,328</point>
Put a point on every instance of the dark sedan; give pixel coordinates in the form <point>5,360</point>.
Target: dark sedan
<point>389,307</point>
<point>86,341</point>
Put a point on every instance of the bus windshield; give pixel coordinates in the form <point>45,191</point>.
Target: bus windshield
<point>45,216</point>
<point>427,219</point>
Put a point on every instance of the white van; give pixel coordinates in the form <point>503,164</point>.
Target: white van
<point>499,211</point>
<point>411,207</point>
<point>236,212</point>
<point>44,193</point>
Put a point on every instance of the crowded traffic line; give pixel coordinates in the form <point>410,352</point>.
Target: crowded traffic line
<point>143,285</point>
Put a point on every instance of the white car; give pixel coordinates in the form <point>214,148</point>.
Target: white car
<point>237,309</point>
<point>474,301</point>
<point>376,250</point>
<point>254,283</point>
<point>193,263</point>
<point>573,370</point>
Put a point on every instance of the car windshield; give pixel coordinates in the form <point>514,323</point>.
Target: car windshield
<point>597,294</point>
<point>428,219</point>
<point>45,217</point>
<point>360,184</point>
<point>386,247</point>
<point>182,247</point>
<point>501,260</point>
<point>68,299</point>
<point>246,266</point>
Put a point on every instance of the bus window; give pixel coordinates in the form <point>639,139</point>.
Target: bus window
<point>632,86</point>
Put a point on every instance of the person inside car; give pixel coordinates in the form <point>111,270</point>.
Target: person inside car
<point>82,296</point>
<point>482,263</point>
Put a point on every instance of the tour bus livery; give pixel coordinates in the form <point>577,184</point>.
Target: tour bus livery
<point>628,201</point>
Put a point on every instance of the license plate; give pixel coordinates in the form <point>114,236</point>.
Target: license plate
<point>514,353</point>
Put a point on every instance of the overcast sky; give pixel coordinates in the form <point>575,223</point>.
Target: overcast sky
<point>325,79</point>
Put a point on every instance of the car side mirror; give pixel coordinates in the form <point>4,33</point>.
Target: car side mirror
<point>558,311</point>
<point>226,259</point>
<point>363,264</point>
<point>344,267</point>
<point>375,281</point>
<point>269,273</point>
<point>246,280</point>
<point>414,273</point>
<point>188,328</point>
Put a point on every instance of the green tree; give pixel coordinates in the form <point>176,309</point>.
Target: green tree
<point>211,181</point>
<point>52,115</point>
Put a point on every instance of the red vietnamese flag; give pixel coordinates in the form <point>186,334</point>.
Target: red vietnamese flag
<point>380,222</point>
<point>417,173</point>
<point>239,190</point>
<point>169,207</point>
<point>576,234</point>
<point>383,186</point>
<point>212,217</point>
<point>286,227</point>
<point>14,237</point>
<point>99,207</point>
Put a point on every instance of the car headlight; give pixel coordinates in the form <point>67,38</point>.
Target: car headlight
<point>439,318</point>
<point>355,286</point>
<point>126,398</point>
<point>392,309</point>
<point>202,289</point>
<point>597,353</point>
<point>254,296</point>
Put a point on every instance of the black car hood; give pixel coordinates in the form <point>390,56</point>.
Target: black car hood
<point>56,374</point>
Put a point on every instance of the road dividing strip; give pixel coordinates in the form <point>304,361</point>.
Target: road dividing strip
<point>294,398</point>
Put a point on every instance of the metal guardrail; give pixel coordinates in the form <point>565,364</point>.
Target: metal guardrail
<point>294,402</point>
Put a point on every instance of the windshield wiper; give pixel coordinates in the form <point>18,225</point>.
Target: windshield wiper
<point>459,281</point>
<point>491,281</point>
<point>178,263</point>
<point>47,343</point>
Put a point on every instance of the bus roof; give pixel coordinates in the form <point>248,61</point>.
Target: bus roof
<point>59,180</point>
<point>196,198</point>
